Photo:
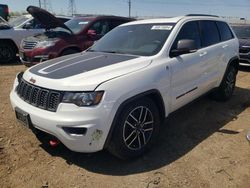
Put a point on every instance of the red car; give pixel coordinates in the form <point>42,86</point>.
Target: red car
<point>60,39</point>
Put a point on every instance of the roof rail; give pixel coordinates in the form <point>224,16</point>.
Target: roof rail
<point>202,15</point>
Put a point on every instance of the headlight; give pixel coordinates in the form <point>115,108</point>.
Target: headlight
<point>83,98</point>
<point>45,44</point>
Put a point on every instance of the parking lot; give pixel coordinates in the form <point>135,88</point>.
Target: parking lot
<point>201,145</point>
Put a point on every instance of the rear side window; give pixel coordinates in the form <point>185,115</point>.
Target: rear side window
<point>225,31</point>
<point>209,33</point>
<point>189,31</point>
<point>115,23</point>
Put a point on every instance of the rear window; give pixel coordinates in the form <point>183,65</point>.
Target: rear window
<point>209,33</point>
<point>225,31</point>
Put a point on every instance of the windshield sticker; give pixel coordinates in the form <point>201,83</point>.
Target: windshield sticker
<point>162,27</point>
<point>83,23</point>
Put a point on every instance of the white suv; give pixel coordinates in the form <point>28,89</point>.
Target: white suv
<point>116,94</point>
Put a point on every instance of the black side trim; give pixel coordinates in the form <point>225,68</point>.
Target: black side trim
<point>186,93</point>
<point>126,102</point>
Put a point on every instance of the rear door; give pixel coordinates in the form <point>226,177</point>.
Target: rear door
<point>227,45</point>
<point>211,54</point>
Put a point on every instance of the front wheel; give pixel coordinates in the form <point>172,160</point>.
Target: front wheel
<point>135,130</point>
<point>227,86</point>
<point>7,53</point>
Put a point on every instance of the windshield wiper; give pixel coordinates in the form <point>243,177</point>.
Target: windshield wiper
<point>112,52</point>
<point>90,50</point>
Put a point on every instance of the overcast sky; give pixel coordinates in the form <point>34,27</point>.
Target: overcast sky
<point>239,8</point>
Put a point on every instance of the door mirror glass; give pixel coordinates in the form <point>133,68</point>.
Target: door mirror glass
<point>184,46</point>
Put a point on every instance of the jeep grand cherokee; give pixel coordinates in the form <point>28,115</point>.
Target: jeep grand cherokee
<point>116,94</point>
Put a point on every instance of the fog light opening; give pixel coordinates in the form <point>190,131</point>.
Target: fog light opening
<point>75,131</point>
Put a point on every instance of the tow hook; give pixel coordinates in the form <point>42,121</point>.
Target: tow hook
<point>54,143</point>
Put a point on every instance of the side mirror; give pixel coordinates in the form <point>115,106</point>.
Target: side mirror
<point>27,26</point>
<point>91,33</point>
<point>184,46</point>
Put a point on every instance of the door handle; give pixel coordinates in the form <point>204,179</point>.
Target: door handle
<point>203,53</point>
<point>225,46</point>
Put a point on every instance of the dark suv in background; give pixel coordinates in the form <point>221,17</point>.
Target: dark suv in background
<point>4,12</point>
<point>243,34</point>
<point>61,39</point>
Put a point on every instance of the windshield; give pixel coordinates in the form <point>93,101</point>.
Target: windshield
<point>75,25</point>
<point>18,21</point>
<point>141,39</point>
<point>242,31</point>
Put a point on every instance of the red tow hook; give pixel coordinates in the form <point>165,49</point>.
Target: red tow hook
<point>54,143</point>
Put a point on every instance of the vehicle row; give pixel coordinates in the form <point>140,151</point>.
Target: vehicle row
<point>33,39</point>
<point>40,35</point>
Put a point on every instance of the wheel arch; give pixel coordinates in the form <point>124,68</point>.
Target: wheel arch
<point>70,48</point>
<point>10,41</point>
<point>234,61</point>
<point>153,94</point>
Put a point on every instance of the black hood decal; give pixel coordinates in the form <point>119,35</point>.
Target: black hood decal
<point>71,65</point>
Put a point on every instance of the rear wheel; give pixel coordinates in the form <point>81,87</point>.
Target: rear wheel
<point>136,129</point>
<point>7,52</point>
<point>226,88</point>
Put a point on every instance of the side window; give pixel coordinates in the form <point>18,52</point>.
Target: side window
<point>189,31</point>
<point>37,25</point>
<point>100,27</point>
<point>225,31</point>
<point>33,24</point>
<point>209,33</point>
<point>115,23</point>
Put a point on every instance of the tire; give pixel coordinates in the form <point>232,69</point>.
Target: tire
<point>136,128</point>
<point>227,86</point>
<point>7,53</point>
<point>68,52</point>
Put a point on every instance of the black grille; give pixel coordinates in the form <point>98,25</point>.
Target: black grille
<point>39,97</point>
<point>29,44</point>
<point>244,50</point>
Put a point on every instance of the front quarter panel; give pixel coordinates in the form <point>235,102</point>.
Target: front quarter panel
<point>153,77</point>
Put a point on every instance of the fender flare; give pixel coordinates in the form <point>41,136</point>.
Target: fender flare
<point>149,94</point>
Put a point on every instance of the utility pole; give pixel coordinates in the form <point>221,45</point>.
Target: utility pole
<point>129,8</point>
<point>40,5</point>
<point>72,8</point>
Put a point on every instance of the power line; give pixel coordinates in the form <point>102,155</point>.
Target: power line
<point>72,8</point>
<point>129,8</point>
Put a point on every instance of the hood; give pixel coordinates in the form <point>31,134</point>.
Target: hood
<point>46,18</point>
<point>4,26</point>
<point>244,42</point>
<point>84,71</point>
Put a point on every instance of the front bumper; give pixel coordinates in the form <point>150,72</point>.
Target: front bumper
<point>248,136</point>
<point>34,57</point>
<point>96,120</point>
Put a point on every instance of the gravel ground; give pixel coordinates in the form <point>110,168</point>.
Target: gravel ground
<point>201,145</point>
